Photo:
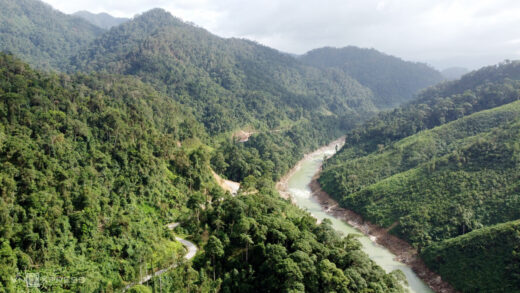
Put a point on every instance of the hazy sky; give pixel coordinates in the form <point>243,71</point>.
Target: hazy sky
<point>443,33</point>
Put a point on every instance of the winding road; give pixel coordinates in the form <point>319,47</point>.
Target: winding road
<point>191,251</point>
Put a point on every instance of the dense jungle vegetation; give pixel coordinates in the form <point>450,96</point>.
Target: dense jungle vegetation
<point>229,83</point>
<point>484,260</point>
<point>40,35</point>
<point>95,166</point>
<point>439,167</point>
<point>112,135</point>
<point>392,80</point>
<point>232,84</point>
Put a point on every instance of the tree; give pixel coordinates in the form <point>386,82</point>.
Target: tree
<point>214,249</point>
<point>246,239</point>
<point>332,279</point>
<point>140,289</point>
<point>7,265</point>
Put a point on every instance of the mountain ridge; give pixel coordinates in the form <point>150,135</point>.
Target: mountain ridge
<point>392,79</point>
<point>174,55</point>
<point>439,167</point>
<point>102,20</point>
<point>41,35</point>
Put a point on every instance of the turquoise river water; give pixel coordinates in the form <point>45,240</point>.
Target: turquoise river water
<point>298,187</point>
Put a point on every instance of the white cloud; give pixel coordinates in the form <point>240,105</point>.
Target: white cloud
<point>381,5</point>
<point>444,33</point>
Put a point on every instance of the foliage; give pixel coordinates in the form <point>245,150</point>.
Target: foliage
<point>485,260</point>
<point>439,183</point>
<point>438,168</point>
<point>229,83</point>
<point>95,166</point>
<point>272,154</point>
<point>260,242</point>
<point>486,88</point>
<point>40,35</point>
<point>91,171</point>
<point>393,80</point>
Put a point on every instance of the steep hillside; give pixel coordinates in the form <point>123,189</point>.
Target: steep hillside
<point>102,20</point>
<point>440,167</point>
<point>227,84</point>
<point>439,183</point>
<point>230,83</point>
<point>486,88</point>
<point>90,174</point>
<point>486,260</point>
<point>40,35</point>
<point>94,167</point>
<point>393,80</point>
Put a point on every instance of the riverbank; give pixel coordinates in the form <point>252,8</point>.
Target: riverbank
<point>282,184</point>
<point>399,254</point>
<point>404,252</point>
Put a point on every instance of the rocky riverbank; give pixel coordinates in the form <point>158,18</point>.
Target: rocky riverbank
<point>281,185</point>
<point>404,252</point>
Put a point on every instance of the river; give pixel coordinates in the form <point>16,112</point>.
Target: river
<point>298,187</point>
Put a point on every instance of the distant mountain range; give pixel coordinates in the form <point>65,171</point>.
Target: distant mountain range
<point>102,20</point>
<point>453,73</point>
<point>441,166</point>
<point>68,39</point>
<point>41,35</point>
<point>391,79</point>
<point>115,133</point>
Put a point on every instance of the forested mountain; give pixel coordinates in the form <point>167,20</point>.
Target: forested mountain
<point>98,163</point>
<point>229,83</point>
<point>90,173</point>
<point>392,80</point>
<point>453,73</point>
<point>439,167</point>
<point>480,90</point>
<point>102,20</point>
<point>93,167</point>
<point>40,35</point>
<point>484,260</point>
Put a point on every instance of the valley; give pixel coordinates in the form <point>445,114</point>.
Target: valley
<point>298,186</point>
<point>148,154</point>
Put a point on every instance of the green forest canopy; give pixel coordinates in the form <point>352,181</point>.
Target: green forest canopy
<point>392,80</point>
<point>439,167</point>
<point>95,166</point>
